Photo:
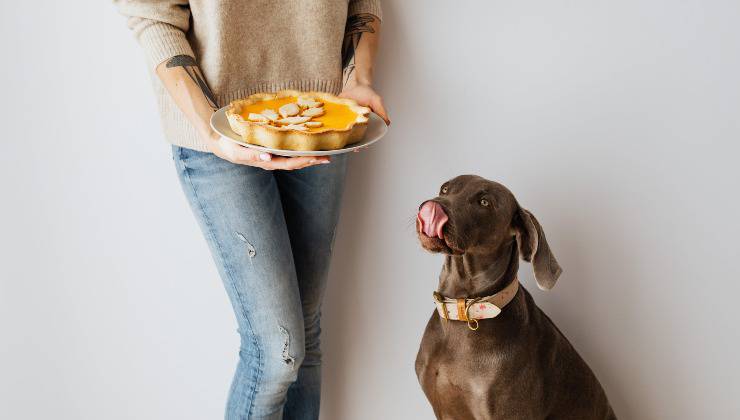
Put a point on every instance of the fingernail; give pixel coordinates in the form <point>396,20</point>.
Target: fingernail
<point>312,161</point>
<point>265,157</point>
<point>325,161</point>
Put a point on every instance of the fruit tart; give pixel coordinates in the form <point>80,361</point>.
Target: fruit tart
<point>294,120</point>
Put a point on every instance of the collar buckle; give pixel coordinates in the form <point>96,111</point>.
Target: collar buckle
<point>486,307</point>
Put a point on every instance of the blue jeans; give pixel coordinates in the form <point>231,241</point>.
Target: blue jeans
<point>271,236</point>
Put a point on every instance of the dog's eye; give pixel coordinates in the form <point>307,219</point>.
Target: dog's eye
<point>444,189</point>
<point>485,203</point>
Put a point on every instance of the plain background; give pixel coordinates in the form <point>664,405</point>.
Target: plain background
<point>614,122</point>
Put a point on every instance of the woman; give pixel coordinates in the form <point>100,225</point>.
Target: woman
<point>270,232</point>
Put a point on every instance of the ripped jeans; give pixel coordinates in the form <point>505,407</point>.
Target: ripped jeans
<point>271,235</point>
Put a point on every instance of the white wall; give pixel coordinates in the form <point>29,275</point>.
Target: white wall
<point>616,123</point>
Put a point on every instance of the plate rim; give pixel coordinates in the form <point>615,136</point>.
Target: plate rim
<point>220,114</point>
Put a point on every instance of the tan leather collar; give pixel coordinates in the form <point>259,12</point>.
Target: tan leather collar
<point>473,309</point>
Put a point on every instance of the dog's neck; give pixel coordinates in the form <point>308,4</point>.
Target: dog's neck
<point>477,275</point>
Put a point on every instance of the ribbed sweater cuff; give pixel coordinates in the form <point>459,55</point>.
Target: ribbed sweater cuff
<point>162,41</point>
<point>365,6</point>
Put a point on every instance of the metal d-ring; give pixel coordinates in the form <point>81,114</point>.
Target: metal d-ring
<point>472,322</point>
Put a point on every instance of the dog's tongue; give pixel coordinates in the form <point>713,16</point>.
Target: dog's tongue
<point>432,219</point>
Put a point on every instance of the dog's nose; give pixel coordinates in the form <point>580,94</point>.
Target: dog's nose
<point>432,219</point>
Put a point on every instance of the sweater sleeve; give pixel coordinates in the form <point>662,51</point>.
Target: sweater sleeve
<point>372,7</point>
<point>159,26</point>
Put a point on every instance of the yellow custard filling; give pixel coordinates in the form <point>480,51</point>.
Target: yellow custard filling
<point>336,116</point>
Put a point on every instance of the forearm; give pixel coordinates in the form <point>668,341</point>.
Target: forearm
<point>183,80</point>
<point>361,39</point>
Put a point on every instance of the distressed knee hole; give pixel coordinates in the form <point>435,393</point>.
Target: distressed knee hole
<point>250,248</point>
<point>287,358</point>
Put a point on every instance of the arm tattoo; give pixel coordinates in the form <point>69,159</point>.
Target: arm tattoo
<point>191,68</point>
<point>356,25</point>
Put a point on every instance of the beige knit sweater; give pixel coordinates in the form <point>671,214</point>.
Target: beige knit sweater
<point>243,47</point>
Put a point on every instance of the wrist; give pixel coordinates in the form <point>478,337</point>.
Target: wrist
<point>366,80</point>
<point>358,77</point>
<point>354,82</point>
<point>204,129</point>
<point>210,137</point>
<point>208,134</point>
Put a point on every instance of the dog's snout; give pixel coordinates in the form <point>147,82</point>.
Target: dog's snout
<point>432,219</point>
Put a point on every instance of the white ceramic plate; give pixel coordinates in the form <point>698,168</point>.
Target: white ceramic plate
<point>376,129</point>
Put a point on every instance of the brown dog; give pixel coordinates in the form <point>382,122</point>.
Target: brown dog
<point>517,364</point>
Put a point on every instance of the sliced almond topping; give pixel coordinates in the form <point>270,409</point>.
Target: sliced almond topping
<point>308,102</point>
<point>313,112</point>
<point>270,114</point>
<point>313,124</point>
<point>299,127</point>
<point>256,117</point>
<point>289,110</point>
<point>293,120</point>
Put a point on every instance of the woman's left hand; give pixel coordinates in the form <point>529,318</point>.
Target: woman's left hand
<point>366,96</point>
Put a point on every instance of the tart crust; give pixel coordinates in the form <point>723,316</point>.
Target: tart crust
<point>273,137</point>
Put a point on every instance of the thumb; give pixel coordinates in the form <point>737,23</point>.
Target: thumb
<point>379,109</point>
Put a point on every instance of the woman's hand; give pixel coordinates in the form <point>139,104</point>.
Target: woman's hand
<point>197,102</point>
<point>366,96</point>
<point>241,155</point>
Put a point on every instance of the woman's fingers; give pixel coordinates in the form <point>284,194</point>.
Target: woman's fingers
<point>379,108</point>
<point>247,156</point>
<point>272,162</point>
<point>288,164</point>
<point>366,96</point>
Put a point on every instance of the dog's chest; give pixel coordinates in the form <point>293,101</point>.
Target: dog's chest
<point>459,371</point>
<point>472,374</point>
<point>455,372</point>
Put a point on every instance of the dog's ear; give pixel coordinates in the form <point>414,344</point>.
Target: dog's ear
<point>533,248</point>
